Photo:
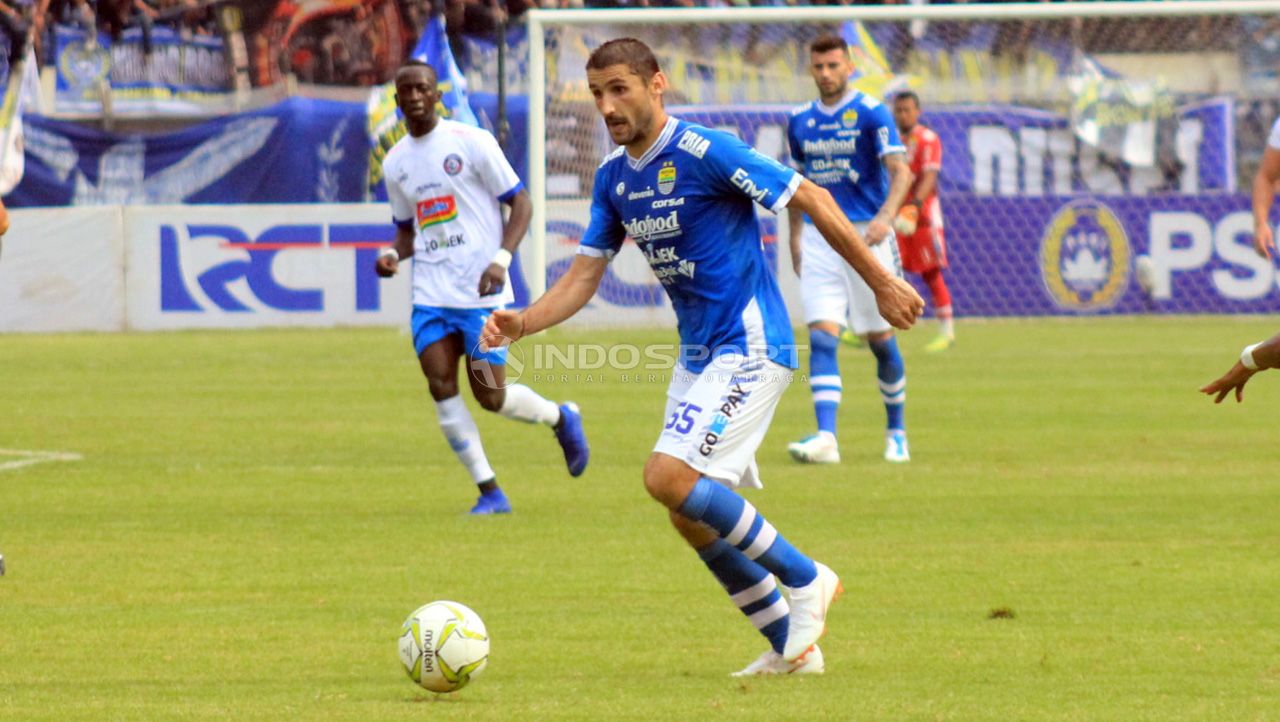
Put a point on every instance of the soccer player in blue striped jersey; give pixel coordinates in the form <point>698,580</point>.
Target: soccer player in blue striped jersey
<point>847,142</point>
<point>685,195</point>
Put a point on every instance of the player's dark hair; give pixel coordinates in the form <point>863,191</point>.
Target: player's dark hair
<point>625,51</point>
<point>907,95</point>
<point>415,63</point>
<point>827,42</point>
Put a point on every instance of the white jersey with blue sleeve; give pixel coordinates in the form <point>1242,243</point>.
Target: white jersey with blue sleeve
<point>688,204</point>
<point>840,148</point>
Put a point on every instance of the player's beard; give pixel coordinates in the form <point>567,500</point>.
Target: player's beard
<point>635,129</point>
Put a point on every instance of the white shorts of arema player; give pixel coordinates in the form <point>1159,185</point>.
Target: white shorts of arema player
<point>716,420</point>
<point>832,291</point>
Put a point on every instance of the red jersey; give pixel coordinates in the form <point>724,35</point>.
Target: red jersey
<point>924,152</point>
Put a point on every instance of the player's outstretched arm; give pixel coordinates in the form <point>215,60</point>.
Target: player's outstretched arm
<point>1264,193</point>
<point>1253,359</point>
<point>565,298</point>
<point>898,302</point>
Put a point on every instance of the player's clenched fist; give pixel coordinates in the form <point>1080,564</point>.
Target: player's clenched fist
<point>388,263</point>
<point>899,304</point>
<point>502,327</point>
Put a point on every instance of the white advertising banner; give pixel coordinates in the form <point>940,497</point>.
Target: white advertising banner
<point>260,265</point>
<point>62,269</point>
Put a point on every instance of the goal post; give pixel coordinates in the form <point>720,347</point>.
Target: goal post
<point>1058,103</point>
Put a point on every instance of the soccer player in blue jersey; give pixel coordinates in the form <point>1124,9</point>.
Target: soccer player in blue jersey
<point>684,194</point>
<point>847,142</point>
<point>446,182</point>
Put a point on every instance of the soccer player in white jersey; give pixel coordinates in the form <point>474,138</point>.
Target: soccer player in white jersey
<point>684,194</point>
<point>847,143</point>
<point>445,181</point>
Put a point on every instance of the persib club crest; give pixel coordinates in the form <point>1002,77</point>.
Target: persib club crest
<point>1084,257</point>
<point>667,178</point>
<point>850,118</point>
<point>453,164</point>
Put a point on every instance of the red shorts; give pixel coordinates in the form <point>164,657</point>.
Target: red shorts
<point>923,250</point>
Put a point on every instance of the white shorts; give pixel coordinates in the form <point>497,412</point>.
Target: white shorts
<point>717,419</point>
<point>832,291</point>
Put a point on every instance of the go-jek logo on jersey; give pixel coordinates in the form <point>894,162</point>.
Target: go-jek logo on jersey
<point>1084,257</point>
<point>434,211</point>
<point>652,228</point>
<point>667,265</point>
<point>829,146</point>
<point>209,267</point>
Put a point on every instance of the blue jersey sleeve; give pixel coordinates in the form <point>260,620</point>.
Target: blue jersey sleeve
<point>743,169</point>
<point>605,232</point>
<point>887,138</point>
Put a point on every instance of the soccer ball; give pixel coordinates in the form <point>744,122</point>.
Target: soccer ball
<point>443,645</point>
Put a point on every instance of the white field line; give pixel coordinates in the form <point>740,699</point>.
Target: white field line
<point>34,457</point>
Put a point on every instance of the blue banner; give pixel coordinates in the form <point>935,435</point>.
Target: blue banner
<point>297,151</point>
<point>162,73</point>
<point>1105,255</point>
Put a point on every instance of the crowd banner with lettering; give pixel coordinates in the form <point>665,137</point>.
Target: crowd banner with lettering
<point>297,151</point>
<point>162,72</point>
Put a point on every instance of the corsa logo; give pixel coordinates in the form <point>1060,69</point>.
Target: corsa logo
<point>434,211</point>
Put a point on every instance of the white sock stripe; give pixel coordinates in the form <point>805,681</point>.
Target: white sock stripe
<point>755,592</point>
<point>743,526</point>
<point>893,387</point>
<point>762,542</point>
<point>826,396</point>
<point>825,381</point>
<point>899,398</point>
<point>770,614</point>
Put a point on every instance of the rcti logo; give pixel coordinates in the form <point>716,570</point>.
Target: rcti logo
<point>253,262</point>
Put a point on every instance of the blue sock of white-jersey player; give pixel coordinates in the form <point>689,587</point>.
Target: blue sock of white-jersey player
<point>464,437</point>
<point>524,404</point>
<point>752,588</point>
<point>824,379</point>
<point>892,373</point>
<point>738,523</point>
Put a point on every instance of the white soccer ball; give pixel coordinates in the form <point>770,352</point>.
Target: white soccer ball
<point>443,645</point>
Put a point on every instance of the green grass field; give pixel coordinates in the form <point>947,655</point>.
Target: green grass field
<point>255,513</point>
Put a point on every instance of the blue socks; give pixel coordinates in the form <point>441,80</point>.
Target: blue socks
<point>824,378</point>
<point>751,588</point>
<point>738,523</point>
<point>892,373</point>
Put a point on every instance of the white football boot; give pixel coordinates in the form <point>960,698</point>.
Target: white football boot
<point>807,621</point>
<point>772,663</point>
<point>816,449</point>
<point>895,446</point>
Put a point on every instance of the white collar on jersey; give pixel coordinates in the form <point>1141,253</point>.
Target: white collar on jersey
<point>664,137</point>
<point>831,109</point>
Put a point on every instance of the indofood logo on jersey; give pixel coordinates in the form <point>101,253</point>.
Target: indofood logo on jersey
<point>667,178</point>
<point>829,146</point>
<point>652,228</point>
<point>1084,257</point>
<point>434,211</point>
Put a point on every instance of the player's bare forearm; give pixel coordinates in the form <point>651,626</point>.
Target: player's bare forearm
<point>900,178</point>
<point>404,242</point>
<point>835,227</point>
<point>517,225</point>
<point>1264,194</point>
<point>569,294</point>
<point>795,223</point>
<point>928,182</point>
